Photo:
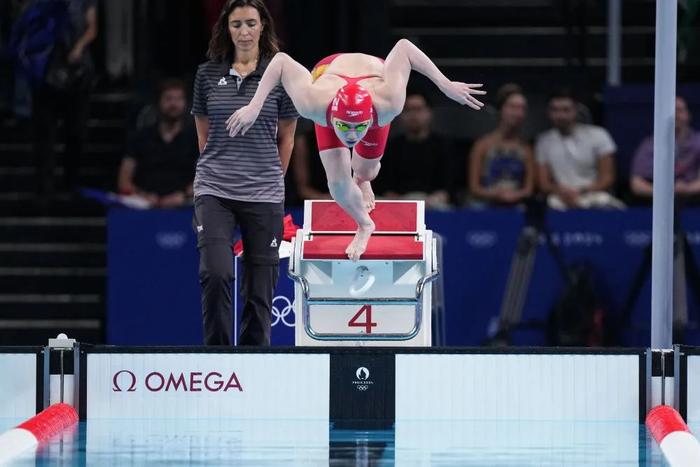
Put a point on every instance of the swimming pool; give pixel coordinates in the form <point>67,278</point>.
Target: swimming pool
<point>195,442</point>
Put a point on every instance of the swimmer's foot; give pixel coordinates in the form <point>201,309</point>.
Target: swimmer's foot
<point>358,245</point>
<point>367,195</point>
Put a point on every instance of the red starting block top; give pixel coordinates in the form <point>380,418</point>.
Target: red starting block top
<point>388,216</point>
<point>388,247</point>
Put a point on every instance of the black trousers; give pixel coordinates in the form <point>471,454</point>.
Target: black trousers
<point>215,220</point>
<point>72,107</point>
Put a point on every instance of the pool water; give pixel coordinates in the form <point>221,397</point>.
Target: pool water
<point>293,442</point>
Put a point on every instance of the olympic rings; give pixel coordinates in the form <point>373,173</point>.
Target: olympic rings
<point>281,314</point>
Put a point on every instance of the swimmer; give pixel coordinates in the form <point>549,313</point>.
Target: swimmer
<point>352,99</point>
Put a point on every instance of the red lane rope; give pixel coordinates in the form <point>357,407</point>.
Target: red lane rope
<point>51,421</point>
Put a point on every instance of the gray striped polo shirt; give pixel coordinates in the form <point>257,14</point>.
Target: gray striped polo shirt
<point>247,167</point>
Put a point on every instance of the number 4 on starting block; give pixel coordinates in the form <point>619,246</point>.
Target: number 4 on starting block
<point>367,324</point>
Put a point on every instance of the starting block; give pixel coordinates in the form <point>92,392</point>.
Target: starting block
<point>384,299</point>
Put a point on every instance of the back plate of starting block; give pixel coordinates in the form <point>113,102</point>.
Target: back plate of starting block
<point>398,217</point>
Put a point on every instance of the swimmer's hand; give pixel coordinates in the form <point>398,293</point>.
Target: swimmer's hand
<point>242,119</point>
<point>463,93</point>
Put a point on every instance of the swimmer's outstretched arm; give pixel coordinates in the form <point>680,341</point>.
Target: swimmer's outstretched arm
<point>296,81</point>
<point>403,58</point>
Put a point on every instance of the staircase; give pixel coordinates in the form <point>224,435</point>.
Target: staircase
<point>539,43</point>
<point>52,279</point>
<point>53,258</point>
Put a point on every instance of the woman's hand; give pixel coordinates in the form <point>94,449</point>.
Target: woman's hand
<point>75,54</point>
<point>570,196</point>
<point>151,199</point>
<point>463,93</point>
<point>242,119</point>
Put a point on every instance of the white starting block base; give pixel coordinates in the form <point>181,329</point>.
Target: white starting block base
<point>384,299</point>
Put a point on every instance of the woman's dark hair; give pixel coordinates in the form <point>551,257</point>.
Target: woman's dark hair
<point>504,93</point>
<point>221,48</point>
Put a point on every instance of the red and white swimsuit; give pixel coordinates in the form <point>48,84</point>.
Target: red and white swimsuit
<point>374,142</point>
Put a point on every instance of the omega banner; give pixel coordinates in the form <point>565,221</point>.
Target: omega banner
<point>18,385</point>
<point>190,385</point>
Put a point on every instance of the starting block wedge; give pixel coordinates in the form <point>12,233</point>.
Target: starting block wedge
<point>384,299</point>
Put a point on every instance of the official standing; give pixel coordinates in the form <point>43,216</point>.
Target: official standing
<point>239,181</point>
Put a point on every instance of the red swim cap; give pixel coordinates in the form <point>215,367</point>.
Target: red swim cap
<point>352,103</point>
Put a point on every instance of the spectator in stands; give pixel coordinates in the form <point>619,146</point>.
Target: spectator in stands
<point>161,159</point>
<point>575,161</point>
<point>501,164</point>
<point>687,160</point>
<point>307,170</point>
<point>64,92</point>
<point>416,164</point>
